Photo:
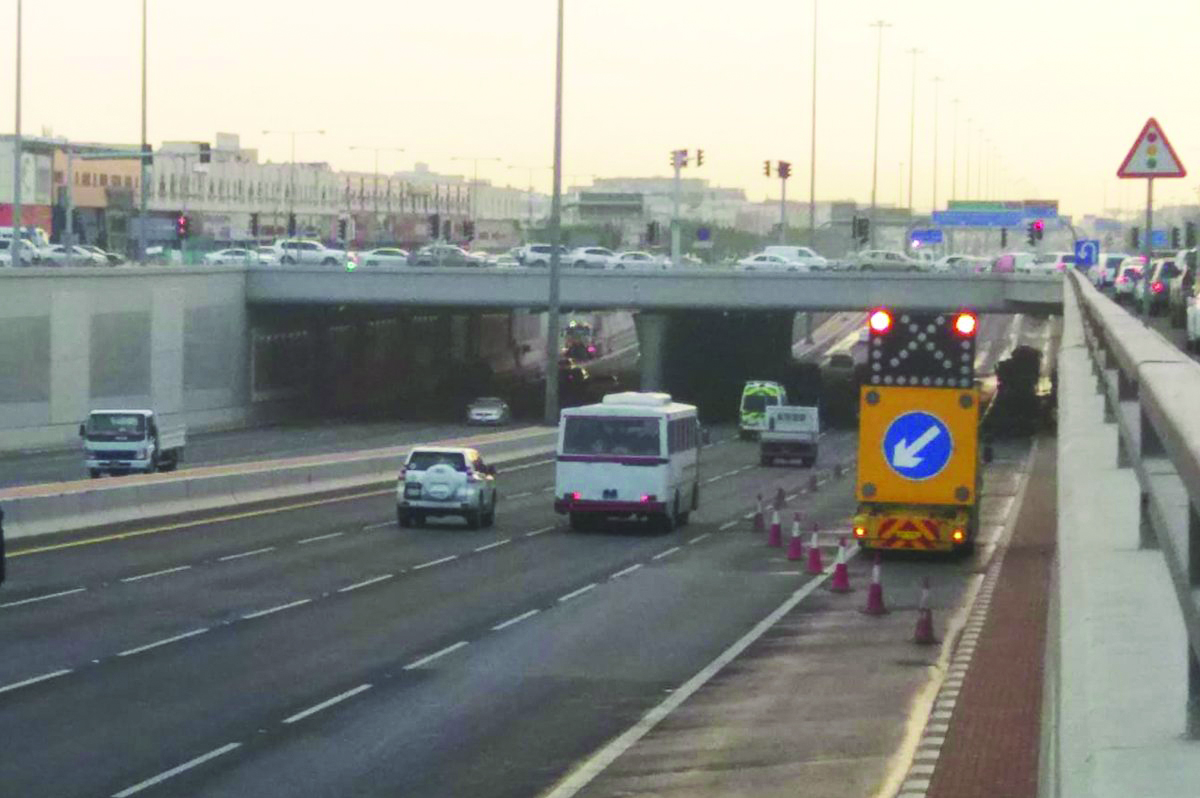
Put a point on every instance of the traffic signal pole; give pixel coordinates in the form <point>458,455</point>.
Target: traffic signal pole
<point>678,161</point>
<point>782,209</point>
<point>550,415</point>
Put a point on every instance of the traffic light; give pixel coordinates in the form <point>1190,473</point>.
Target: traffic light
<point>1189,234</point>
<point>861,229</point>
<point>679,159</point>
<point>254,225</point>
<point>652,233</point>
<point>1174,238</point>
<point>181,227</point>
<point>435,226</point>
<point>205,152</point>
<point>341,229</point>
<point>699,157</point>
<point>1039,227</point>
<point>291,224</point>
<point>1030,235</point>
<point>785,169</point>
<point>1003,237</point>
<point>767,168</point>
<point>469,230</point>
<point>1134,237</point>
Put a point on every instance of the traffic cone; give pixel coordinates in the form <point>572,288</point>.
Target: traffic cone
<point>875,604</point>
<point>775,534</point>
<point>815,566</point>
<point>780,499</point>
<point>795,545</point>
<point>759,522</point>
<point>924,633</point>
<point>841,576</point>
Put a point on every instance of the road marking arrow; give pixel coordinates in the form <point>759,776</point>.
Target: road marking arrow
<point>905,456</point>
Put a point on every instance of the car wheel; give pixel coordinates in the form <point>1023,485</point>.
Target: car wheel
<point>670,519</point>
<point>94,473</point>
<point>866,268</point>
<point>403,518</point>
<point>581,264</point>
<point>329,262</point>
<point>473,518</point>
<point>287,260</point>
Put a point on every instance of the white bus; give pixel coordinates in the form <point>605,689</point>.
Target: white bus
<point>634,455</point>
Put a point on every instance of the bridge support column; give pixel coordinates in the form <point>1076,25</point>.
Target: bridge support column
<point>652,343</point>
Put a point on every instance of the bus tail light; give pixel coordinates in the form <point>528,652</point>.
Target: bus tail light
<point>648,497</point>
<point>573,497</point>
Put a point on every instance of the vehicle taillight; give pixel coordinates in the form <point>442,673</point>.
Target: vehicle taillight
<point>648,497</point>
<point>574,496</point>
<point>1122,280</point>
<point>958,536</point>
<point>860,532</point>
<point>1156,287</point>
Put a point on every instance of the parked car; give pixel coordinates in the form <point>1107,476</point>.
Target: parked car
<point>956,264</point>
<point>113,258</point>
<point>637,260</point>
<point>1127,276</point>
<point>885,260</point>
<point>803,255</point>
<point>60,255</point>
<point>1151,292</point>
<point>383,256</point>
<point>300,251</point>
<point>1052,263</point>
<point>768,262</point>
<point>267,256</point>
<point>488,410</point>
<point>590,257</point>
<point>1012,262</point>
<point>539,254</point>
<point>30,256</point>
<point>225,257</point>
<point>441,255</point>
<point>437,481</point>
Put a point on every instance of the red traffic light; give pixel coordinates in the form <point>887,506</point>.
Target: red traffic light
<point>1039,225</point>
<point>965,324</point>
<point>880,321</point>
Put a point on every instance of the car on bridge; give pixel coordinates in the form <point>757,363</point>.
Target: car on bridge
<point>770,262</point>
<point>590,257</point>
<point>1012,262</point>
<point>1151,293</point>
<point>539,254</point>
<point>441,255</point>
<point>803,255</point>
<point>886,260</point>
<point>638,260</point>
<point>300,251</point>
<point>1179,288</point>
<point>61,255</point>
<point>1051,263</point>
<point>112,257</point>
<point>956,264</point>
<point>226,257</point>
<point>1127,276</point>
<point>267,256</point>
<point>383,256</point>
<point>443,481</point>
<point>1104,271</point>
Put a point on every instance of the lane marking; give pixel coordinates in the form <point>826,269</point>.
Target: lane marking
<point>699,538</point>
<point>337,699</point>
<point>732,473</point>
<point>44,677</point>
<point>229,557</point>
<point>175,771</point>
<point>512,621</point>
<point>47,597</point>
<point>626,571</point>
<point>495,545</point>
<point>379,525</point>
<point>252,615</point>
<point>217,519</point>
<point>432,563</point>
<point>364,583</point>
<point>525,466</point>
<point>666,553</point>
<point>521,495</point>
<point>605,756</point>
<point>157,573</point>
<point>158,643</point>
<point>537,532</point>
<point>711,480</point>
<point>576,593</point>
<point>547,489</point>
<point>435,655</point>
<point>320,537</point>
<point>731,524</point>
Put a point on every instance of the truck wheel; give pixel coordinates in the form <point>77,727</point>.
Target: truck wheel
<point>489,518</point>
<point>94,473</point>
<point>403,518</point>
<point>670,519</point>
<point>473,518</point>
<point>581,522</point>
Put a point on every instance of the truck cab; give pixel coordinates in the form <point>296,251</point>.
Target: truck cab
<point>129,441</point>
<point>757,396</point>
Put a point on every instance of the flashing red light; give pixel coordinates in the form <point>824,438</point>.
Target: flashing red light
<point>1039,225</point>
<point>1157,287</point>
<point>965,324</point>
<point>591,350</point>
<point>880,321</point>
<point>575,496</point>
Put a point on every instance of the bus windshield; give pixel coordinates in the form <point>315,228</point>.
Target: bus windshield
<point>612,436</point>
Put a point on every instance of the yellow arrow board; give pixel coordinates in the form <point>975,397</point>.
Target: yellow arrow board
<point>918,445</point>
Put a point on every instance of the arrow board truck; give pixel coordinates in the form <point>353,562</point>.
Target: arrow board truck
<point>130,441</point>
<point>791,434</point>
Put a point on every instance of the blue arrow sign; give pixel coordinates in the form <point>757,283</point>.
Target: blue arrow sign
<point>917,445</point>
<point>1087,252</point>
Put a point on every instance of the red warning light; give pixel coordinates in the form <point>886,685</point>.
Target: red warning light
<point>880,321</point>
<point>965,324</point>
<point>1039,225</point>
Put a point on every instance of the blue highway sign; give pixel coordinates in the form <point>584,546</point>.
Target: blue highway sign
<point>1087,252</point>
<point>917,445</point>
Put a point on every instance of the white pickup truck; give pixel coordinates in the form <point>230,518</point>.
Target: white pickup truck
<point>128,441</point>
<point>791,433</point>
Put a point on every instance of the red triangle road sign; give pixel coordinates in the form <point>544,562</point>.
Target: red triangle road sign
<point>1151,155</point>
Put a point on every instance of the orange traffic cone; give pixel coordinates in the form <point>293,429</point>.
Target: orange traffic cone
<point>775,533</point>
<point>875,604</point>
<point>795,545</point>
<point>759,522</point>
<point>815,566</point>
<point>780,499</point>
<point>841,576</point>
<point>924,633</point>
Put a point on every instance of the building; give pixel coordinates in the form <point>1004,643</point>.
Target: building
<point>36,192</point>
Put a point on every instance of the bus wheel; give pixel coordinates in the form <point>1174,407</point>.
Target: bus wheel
<point>581,522</point>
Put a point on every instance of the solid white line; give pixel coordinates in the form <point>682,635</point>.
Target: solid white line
<point>158,643</point>
<point>175,771</point>
<point>327,704</point>
<point>156,573</point>
<point>734,472</point>
<point>435,655</point>
<point>744,468</point>
<point>319,537</point>
<point>666,553</point>
<point>432,563</point>
<point>711,480</point>
<point>699,538</point>
<point>47,597</point>
<point>547,489</point>
<point>516,620</point>
<point>380,525</point>
<point>495,545</point>
<point>731,524</point>
<point>521,495</point>
<point>537,532</point>
<point>626,571</point>
<point>364,583</point>
<point>34,680</point>
<point>525,466</point>
<point>252,615</point>
<point>791,497</point>
<point>228,557</point>
<point>578,592</point>
<point>596,764</point>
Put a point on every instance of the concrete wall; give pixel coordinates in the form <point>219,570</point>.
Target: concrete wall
<point>167,339</point>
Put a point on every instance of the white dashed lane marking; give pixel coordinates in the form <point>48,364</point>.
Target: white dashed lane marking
<point>577,593</point>
<point>513,621</point>
<point>436,655</point>
<point>44,677</point>
<point>320,537</point>
<point>158,643</point>
<point>252,615</point>
<point>626,571</point>
<point>495,545</point>
<point>432,563</point>
<point>228,557</point>
<point>163,572</point>
<point>175,771</point>
<point>337,699</point>
<point>46,597</point>
<point>666,553</point>
<point>364,583</point>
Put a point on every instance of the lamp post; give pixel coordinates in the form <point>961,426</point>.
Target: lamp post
<point>879,25</point>
<point>16,203</point>
<point>375,180</point>
<point>954,155</point>
<point>912,126</point>
<point>144,168</point>
<point>474,179</point>
<point>967,170</point>
<point>812,160</point>
<point>292,179</point>
<point>551,368</point>
<point>933,203</point>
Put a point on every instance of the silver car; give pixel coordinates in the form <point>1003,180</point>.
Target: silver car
<point>886,260</point>
<point>446,481</point>
<point>488,410</point>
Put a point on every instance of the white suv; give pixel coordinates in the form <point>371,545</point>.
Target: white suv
<point>301,250</point>
<point>446,481</point>
<point>803,255</point>
<point>590,257</point>
<point>539,254</point>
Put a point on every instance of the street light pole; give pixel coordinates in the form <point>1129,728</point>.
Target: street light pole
<point>474,180</point>
<point>551,367</point>
<point>292,191</point>
<point>967,170</point>
<point>812,160</point>
<point>880,25</point>
<point>144,170</point>
<point>954,156</point>
<point>933,203</point>
<point>912,127</point>
<point>375,181</point>
<point>16,203</point>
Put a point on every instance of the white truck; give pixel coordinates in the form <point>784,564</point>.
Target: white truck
<point>130,441</point>
<point>791,433</point>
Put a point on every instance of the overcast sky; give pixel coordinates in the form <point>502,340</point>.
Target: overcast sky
<point>1059,88</point>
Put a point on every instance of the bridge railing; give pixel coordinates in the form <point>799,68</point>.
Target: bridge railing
<point>1152,394</point>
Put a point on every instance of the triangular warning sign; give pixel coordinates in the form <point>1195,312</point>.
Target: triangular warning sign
<point>1151,155</point>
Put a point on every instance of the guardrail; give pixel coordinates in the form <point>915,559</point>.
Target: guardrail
<point>1151,392</point>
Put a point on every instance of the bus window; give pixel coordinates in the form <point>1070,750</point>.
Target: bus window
<point>612,436</point>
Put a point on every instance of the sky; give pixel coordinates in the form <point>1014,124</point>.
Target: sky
<point>1057,89</point>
